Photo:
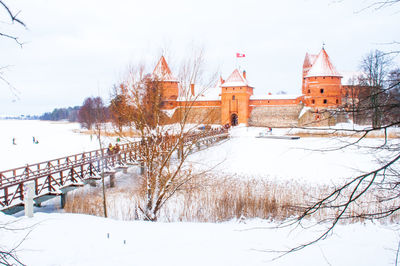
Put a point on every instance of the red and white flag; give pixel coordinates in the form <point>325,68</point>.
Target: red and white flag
<point>239,55</point>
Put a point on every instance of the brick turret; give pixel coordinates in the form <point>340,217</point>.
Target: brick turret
<point>170,84</point>
<point>235,98</point>
<point>321,82</point>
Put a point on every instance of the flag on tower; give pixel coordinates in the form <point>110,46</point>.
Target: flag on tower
<point>238,55</point>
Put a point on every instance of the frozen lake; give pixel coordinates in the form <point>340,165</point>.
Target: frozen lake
<point>243,154</point>
<point>56,139</point>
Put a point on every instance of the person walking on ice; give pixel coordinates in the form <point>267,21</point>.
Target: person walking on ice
<point>14,143</point>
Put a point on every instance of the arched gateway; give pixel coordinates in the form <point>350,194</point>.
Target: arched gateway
<point>234,120</point>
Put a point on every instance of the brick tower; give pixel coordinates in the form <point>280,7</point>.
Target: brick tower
<point>235,98</point>
<point>169,82</point>
<point>321,82</point>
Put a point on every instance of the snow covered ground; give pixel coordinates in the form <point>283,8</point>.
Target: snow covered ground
<point>59,238</point>
<point>70,239</point>
<point>56,139</point>
<point>305,160</point>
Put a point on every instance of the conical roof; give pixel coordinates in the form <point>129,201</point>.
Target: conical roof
<point>309,60</point>
<point>163,72</point>
<point>322,66</point>
<point>236,79</point>
<point>219,83</point>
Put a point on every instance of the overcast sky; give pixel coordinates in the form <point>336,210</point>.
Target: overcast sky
<point>79,48</point>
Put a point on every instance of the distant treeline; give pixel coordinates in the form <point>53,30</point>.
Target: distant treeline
<point>21,117</point>
<point>70,114</point>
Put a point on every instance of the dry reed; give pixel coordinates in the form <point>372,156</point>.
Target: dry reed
<point>390,135</point>
<point>219,199</point>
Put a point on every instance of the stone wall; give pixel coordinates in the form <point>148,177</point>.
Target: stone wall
<point>323,118</point>
<point>275,116</point>
<point>198,115</point>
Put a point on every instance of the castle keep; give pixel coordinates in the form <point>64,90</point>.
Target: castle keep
<point>232,100</point>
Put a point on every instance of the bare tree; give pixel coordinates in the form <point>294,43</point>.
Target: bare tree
<point>120,112</point>
<point>165,142</point>
<point>380,186</point>
<point>93,115</point>
<point>13,16</point>
<point>99,117</point>
<point>375,66</point>
<point>92,112</point>
<point>392,109</point>
<point>9,257</point>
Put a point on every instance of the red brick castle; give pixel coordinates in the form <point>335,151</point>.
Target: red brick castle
<point>232,100</point>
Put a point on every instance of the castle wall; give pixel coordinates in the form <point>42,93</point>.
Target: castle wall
<point>274,102</point>
<point>197,115</point>
<point>168,105</point>
<point>170,90</point>
<point>275,116</point>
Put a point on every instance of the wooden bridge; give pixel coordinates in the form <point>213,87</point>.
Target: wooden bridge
<point>58,176</point>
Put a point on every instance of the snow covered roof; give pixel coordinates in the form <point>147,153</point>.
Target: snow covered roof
<point>322,66</point>
<point>163,72</point>
<point>236,79</point>
<point>210,94</point>
<point>202,93</point>
<point>351,77</point>
<point>209,97</point>
<point>275,97</point>
<point>309,60</point>
<point>219,82</point>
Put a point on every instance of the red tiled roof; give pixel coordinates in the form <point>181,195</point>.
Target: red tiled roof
<point>236,79</point>
<point>322,66</point>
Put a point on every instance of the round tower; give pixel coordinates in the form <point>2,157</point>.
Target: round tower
<point>321,83</point>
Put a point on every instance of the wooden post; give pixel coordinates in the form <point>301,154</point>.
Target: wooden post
<point>29,193</point>
<point>142,167</point>
<point>112,179</point>
<point>63,199</point>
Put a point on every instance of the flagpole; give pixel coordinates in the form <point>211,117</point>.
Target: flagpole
<point>239,55</point>
<point>237,65</point>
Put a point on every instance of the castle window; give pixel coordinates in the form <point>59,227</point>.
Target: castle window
<point>321,90</point>
<point>323,77</point>
<point>337,100</point>
<point>325,101</point>
<point>313,101</point>
<point>233,97</point>
<point>309,91</point>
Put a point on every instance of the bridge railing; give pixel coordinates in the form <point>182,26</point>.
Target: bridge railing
<point>50,176</point>
<point>43,168</point>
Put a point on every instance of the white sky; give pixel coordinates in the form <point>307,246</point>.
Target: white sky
<point>79,48</point>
